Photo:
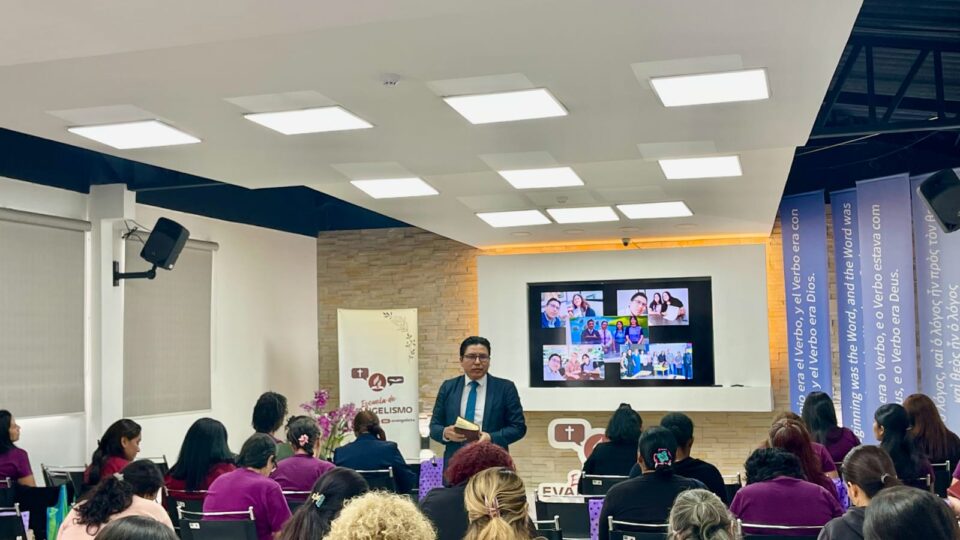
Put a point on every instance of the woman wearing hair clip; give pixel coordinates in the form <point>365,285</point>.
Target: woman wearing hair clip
<point>371,451</point>
<point>497,507</point>
<point>312,520</point>
<point>648,497</point>
<point>301,471</point>
<point>866,470</point>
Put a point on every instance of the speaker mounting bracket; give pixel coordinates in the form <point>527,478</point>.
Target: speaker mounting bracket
<point>118,275</point>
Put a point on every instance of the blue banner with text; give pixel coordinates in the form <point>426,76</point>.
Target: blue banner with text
<point>806,283</point>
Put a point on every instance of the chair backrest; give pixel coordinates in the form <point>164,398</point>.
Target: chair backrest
<point>626,530</point>
<point>599,484</point>
<point>382,479</point>
<point>760,531</point>
<point>8,494</point>
<point>779,537</point>
<point>174,499</point>
<point>217,525</point>
<point>296,499</point>
<point>66,475</point>
<point>11,523</point>
<point>549,528</point>
<point>942,477</point>
<point>732,483</point>
<point>573,517</point>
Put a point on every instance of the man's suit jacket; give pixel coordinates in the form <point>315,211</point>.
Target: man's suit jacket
<point>502,413</point>
<point>444,508</point>
<point>368,453</point>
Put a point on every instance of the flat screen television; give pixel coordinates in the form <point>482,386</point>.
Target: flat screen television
<point>639,332</point>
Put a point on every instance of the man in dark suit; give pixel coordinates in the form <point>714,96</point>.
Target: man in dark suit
<point>490,402</point>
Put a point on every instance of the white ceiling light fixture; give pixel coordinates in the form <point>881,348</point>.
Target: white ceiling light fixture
<point>708,88</point>
<point>541,178</point>
<point>517,218</point>
<point>315,120</point>
<point>139,134</point>
<point>392,188</point>
<point>703,167</point>
<point>655,210</point>
<point>592,214</point>
<point>507,106</point>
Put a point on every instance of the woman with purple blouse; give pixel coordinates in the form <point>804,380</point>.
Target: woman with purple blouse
<point>301,471</point>
<point>14,462</point>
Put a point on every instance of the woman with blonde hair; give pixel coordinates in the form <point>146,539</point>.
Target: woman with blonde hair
<point>379,515</point>
<point>698,514</point>
<point>497,507</point>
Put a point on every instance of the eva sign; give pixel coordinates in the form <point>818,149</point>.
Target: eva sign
<point>557,489</point>
<point>574,434</point>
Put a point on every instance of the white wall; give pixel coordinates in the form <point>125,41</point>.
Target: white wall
<point>265,330</point>
<point>741,345</point>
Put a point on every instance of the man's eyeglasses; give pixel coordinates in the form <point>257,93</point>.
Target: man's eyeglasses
<point>475,357</point>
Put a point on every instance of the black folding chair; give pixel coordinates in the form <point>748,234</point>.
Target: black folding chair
<point>733,483</point>
<point>599,484</point>
<point>8,493</point>
<point>223,526</point>
<point>775,532</point>
<point>66,475</point>
<point>942,478</point>
<point>161,463</point>
<point>626,530</point>
<point>174,500</point>
<point>573,516</point>
<point>382,479</point>
<point>296,499</point>
<point>11,523</point>
<point>549,528</point>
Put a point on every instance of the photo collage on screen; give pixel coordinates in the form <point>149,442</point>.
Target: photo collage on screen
<point>590,343</point>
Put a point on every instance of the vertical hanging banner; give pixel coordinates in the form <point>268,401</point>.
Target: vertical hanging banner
<point>938,308</point>
<point>886,273</point>
<point>379,365</point>
<point>804,222</point>
<point>846,248</point>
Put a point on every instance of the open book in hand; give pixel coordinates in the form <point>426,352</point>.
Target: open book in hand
<point>467,428</point>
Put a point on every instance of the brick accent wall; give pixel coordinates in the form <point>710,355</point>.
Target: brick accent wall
<point>412,268</point>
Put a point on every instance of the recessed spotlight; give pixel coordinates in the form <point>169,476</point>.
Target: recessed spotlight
<point>591,214</point>
<point>517,218</point>
<point>391,188</point>
<point>542,178</point>
<point>317,120</point>
<point>655,210</point>
<point>725,87</point>
<point>705,167</point>
<point>140,134</point>
<point>507,106</point>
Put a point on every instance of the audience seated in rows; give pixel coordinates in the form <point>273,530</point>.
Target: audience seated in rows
<point>792,436</point>
<point>618,454</point>
<point>648,497</point>
<point>903,512</point>
<point>777,493</point>
<point>118,447</point>
<point>249,486</point>
<point>497,507</point>
<point>136,528</point>
<point>820,418</point>
<point>684,465</point>
<point>929,433</point>
<point>827,465</point>
<point>301,471</point>
<point>444,507</point>
<point>378,515</point>
<point>372,451</point>
<point>698,514</point>
<point>204,457</point>
<point>14,462</point>
<point>268,415</point>
<point>866,471</point>
<point>312,520</point>
<point>130,492</point>
<point>890,426</point>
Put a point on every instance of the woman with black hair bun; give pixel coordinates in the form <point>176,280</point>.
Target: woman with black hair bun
<point>131,492</point>
<point>648,497</point>
<point>372,451</point>
<point>312,520</point>
<point>301,471</point>
<point>119,446</point>
<point>891,426</point>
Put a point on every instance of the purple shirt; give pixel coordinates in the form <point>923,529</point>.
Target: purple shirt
<point>243,488</point>
<point>826,462</point>
<point>840,441</point>
<point>15,464</point>
<point>299,472</point>
<point>785,501</point>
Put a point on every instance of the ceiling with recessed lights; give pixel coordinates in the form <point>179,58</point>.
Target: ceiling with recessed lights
<point>200,69</point>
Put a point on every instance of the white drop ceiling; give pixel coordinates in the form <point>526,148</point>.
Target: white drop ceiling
<point>199,66</point>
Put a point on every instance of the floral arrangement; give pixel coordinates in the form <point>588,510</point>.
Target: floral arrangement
<point>334,425</point>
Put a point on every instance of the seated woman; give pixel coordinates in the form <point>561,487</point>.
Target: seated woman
<point>249,486</point>
<point>14,462</point>
<point>119,446</point>
<point>383,516</point>
<point>301,471</point>
<point>268,415</point>
<point>648,497</point>
<point>792,436</point>
<point>204,457</point>
<point>444,506</point>
<point>618,455</point>
<point>497,507</point>
<point>827,465</point>
<point>890,426</point>
<point>866,470</point>
<point>929,433</point>
<point>777,494</point>
<point>371,451</point>
<point>312,520</point>
<point>131,492</point>
<point>698,514</point>
<point>136,528</point>
<point>820,418</point>
<point>902,512</point>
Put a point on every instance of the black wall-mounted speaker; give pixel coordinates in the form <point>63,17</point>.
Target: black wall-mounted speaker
<point>165,243</point>
<point>942,194</point>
